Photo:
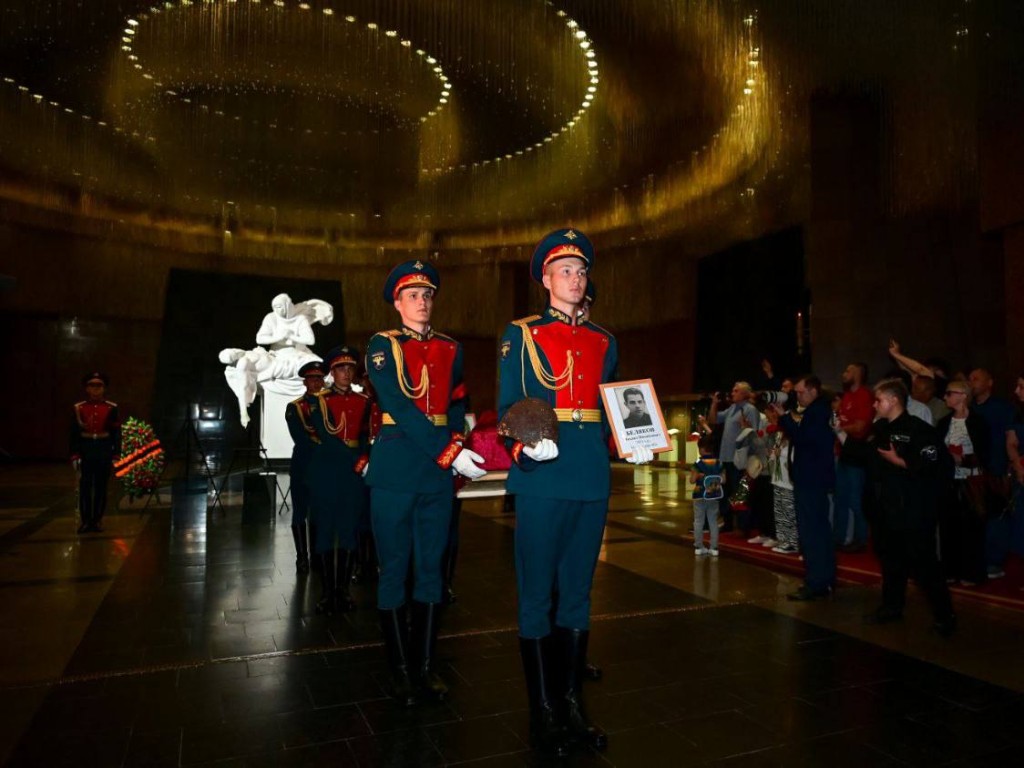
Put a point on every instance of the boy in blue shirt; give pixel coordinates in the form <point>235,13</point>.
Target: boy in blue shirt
<point>708,478</point>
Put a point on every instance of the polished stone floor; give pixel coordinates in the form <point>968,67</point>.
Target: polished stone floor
<point>180,636</point>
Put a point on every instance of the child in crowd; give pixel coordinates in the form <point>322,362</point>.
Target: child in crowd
<point>780,459</point>
<point>708,477</point>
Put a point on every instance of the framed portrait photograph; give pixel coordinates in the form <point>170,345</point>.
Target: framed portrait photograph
<point>635,416</point>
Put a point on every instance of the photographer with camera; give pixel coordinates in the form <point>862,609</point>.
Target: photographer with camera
<point>732,419</point>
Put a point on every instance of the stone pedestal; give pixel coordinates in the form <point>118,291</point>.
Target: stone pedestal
<point>258,498</point>
<point>274,398</point>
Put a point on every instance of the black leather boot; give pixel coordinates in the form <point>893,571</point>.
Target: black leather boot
<point>301,549</point>
<point>372,563</point>
<point>547,734</point>
<point>393,626</point>
<point>573,645</point>
<point>343,602</point>
<point>327,581</point>
<point>451,553</point>
<point>315,562</point>
<point>424,640</point>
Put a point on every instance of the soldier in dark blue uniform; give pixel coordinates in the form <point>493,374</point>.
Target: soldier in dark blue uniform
<point>561,489</point>
<point>95,442</point>
<point>299,417</point>
<point>417,375</point>
<point>342,425</point>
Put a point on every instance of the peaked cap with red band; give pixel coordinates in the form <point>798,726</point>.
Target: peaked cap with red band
<point>410,274</point>
<point>95,377</point>
<point>342,356</point>
<point>560,244</point>
<point>313,368</point>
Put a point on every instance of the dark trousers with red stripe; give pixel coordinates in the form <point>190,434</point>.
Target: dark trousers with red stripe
<point>92,488</point>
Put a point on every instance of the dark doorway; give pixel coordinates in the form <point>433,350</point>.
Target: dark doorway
<point>204,313</point>
<point>748,300</point>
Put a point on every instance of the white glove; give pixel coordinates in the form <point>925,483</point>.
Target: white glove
<point>365,470</point>
<point>76,464</point>
<point>641,455</point>
<point>545,450</point>
<point>466,464</point>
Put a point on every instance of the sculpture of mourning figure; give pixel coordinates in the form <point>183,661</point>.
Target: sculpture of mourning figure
<point>284,339</point>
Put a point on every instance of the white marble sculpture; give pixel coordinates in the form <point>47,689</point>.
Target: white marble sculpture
<point>272,368</point>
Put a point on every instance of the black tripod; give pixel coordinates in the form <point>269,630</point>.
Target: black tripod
<point>250,456</point>
<point>188,434</point>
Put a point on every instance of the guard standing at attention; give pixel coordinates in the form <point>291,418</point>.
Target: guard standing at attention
<point>336,478</point>
<point>299,417</point>
<point>366,552</point>
<point>95,442</point>
<point>561,488</point>
<point>417,375</point>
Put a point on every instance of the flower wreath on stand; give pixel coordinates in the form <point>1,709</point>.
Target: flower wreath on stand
<point>142,459</point>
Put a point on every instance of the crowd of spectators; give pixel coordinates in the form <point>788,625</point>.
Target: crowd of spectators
<point>927,459</point>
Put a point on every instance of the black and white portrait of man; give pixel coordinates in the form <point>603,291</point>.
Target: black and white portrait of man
<point>635,403</point>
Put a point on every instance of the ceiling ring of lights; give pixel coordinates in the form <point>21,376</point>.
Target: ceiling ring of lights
<point>135,24</point>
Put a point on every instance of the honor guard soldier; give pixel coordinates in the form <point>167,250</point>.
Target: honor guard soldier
<point>299,417</point>
<point>336,478</point>
<point>366,553</point>
<point>95,442</point>
<point>561,488</point>
<point>417,375</point>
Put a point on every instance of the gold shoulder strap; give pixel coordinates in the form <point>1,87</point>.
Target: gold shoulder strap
<point>413,392</point>
<point>547,379</point>
<point>302,416</point>
<point>325,415</point>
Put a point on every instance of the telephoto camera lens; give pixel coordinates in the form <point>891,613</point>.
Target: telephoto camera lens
<point>772,398</point>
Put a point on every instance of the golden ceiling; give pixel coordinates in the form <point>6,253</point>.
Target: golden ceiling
<point>469,123</point>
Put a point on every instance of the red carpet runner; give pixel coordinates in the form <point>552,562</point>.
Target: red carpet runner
<point>863,568</point>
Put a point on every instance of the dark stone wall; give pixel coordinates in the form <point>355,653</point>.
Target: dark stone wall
<point>747,303</point>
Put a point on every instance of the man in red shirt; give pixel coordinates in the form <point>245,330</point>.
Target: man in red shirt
<point>856,411</point>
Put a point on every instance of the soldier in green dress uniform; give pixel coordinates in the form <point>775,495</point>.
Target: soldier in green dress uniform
<point>298,416</point>
<point>336,472</point>
<point>561,488</point>
<point>95,443</point>
<point>417,375</point>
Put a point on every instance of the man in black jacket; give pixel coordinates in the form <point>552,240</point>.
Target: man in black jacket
<point>907,481</point>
